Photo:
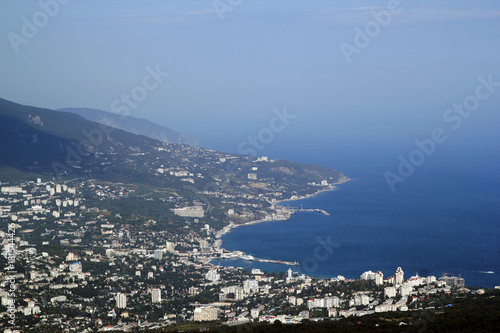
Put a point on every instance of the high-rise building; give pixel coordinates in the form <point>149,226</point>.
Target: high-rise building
<point>156,295</point>
<point>250,286</point>
<point>121,300</point>
<point>399,276</point>
<point>453,281</point>
<point>379,278</point>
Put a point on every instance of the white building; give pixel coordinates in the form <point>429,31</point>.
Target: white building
<point>195,211</point>
<point>75,267</point>
<point>430,279</point>
<point>205,313</point>
<point>405,290</point>
<point>121,301</point>
<point>156,295</point>
<point>250,286</point>
<point>369,275</point>
<point>212,275</point>
<point>332,302</point>
<point>379,278</point>
<point>399,276</point>
<point>158,254</point>
<point>389,292</point>
<point>327,302</point>
<point>110,253</point>
<point>11,190</point>
<point>193,291</point>
<point>235,290</point>
<point>170,246</point>
<point>58,299</point>
<point>416,281</point>
<point>361,300</point>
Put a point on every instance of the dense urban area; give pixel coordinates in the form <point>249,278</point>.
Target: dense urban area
<point>78,255</point>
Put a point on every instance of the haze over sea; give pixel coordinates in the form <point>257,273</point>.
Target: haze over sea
<point>442,219</point>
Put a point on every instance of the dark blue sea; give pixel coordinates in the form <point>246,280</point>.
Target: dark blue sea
<point>443,219</point>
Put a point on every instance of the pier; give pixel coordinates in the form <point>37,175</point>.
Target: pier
<point>296,209</point>
<point>242,256</point>
<point>282,262</point>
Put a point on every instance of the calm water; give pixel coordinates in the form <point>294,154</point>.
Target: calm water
<point>441,220</point>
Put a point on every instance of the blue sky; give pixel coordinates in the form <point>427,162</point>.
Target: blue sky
<point>226,76</point>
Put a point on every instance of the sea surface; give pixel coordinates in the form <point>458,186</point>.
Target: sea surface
<point>443,219</point>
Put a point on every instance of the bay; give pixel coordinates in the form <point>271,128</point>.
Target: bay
<point>442,219</point>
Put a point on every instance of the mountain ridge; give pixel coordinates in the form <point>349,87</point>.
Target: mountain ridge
<point>133,125</point>
<point>61,144</point>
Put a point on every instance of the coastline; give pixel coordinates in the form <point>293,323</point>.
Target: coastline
<point>326,189</point>
<point>227,229</point>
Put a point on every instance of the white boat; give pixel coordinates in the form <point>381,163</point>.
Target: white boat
<point>247,257</point>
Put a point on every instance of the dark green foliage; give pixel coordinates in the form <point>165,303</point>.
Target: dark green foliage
<point>476,314</point>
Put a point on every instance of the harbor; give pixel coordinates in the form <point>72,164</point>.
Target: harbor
<point>242,256</point>
<point>295,209</point>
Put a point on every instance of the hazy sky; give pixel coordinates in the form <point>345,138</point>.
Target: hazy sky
<point>232,62</point>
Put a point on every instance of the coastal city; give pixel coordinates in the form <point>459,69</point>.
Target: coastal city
<point>232,166</point>
<point>69,262</point>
